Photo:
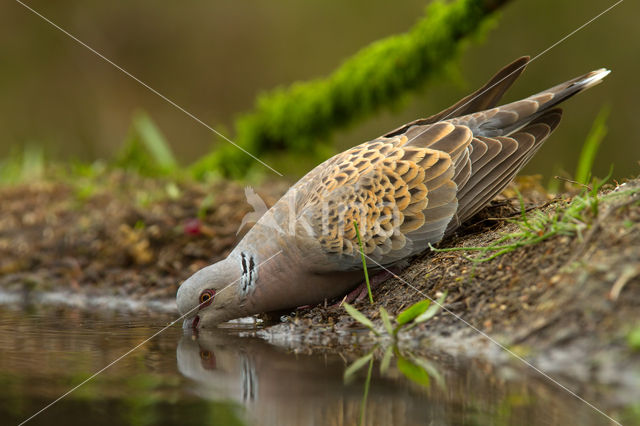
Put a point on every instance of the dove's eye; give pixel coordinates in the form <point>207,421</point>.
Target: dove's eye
<point>206,297</point>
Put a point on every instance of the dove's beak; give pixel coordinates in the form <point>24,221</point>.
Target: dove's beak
<point>191,323</point>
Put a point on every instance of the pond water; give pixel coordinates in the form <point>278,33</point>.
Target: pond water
<point>221,378</point>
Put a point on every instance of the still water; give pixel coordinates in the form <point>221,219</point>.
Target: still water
<point>221,378</point>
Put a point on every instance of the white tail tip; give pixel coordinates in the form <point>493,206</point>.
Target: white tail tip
<point>595,77</point>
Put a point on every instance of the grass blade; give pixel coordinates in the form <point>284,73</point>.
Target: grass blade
<point>431,311</point>
<point>359,316</point>
<point>591,144</point>
<point>386,359</point>
<point>431,370</point>
<point>364,261</point>
<point>413,311</point>
<point>386,320</point>
<point>154,141</point>
<point>413,372</point>
<point>367,383</point>
<point>357,365</point>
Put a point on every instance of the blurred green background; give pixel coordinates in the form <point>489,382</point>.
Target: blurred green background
<point>214,57</point>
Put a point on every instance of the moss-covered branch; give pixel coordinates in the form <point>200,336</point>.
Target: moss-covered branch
<point>300,118</point>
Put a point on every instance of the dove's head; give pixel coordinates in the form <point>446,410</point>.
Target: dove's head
<point>209,296</point>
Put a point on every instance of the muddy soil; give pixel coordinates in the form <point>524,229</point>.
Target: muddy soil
<point>118,234</point>
<point>566,304</point>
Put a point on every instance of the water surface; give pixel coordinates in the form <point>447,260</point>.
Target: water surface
<point>220,378</point>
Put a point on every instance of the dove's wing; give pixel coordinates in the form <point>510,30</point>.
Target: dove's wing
<point>407,191</point>
<point>401,192</point>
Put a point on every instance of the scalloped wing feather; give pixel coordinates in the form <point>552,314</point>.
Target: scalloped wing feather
<point>400,192</point>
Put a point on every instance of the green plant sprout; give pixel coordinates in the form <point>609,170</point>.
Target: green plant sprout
<point>364,261</point>
<point>415,314</point>
<point>416,370</point>
<point>361,318</point>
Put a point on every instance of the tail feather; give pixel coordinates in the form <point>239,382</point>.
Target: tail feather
<point>507,119</point>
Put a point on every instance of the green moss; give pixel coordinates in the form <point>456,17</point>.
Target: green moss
<point>301,118</point>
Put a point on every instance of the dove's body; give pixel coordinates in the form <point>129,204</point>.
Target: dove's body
<point>406,189</point>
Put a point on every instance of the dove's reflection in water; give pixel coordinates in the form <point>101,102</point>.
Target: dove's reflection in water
<point>281,388</point>
<point>222,371</point>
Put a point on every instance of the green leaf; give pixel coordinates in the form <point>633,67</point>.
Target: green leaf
<point>413,372</point>
<point>413,311</point>
<point>432,311</point>
<point>357,365</point>
<point>431,370</point>
<point>359,316</point>
<point>591,144</point>
<point>386,320</point>
<point>386,359</point>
